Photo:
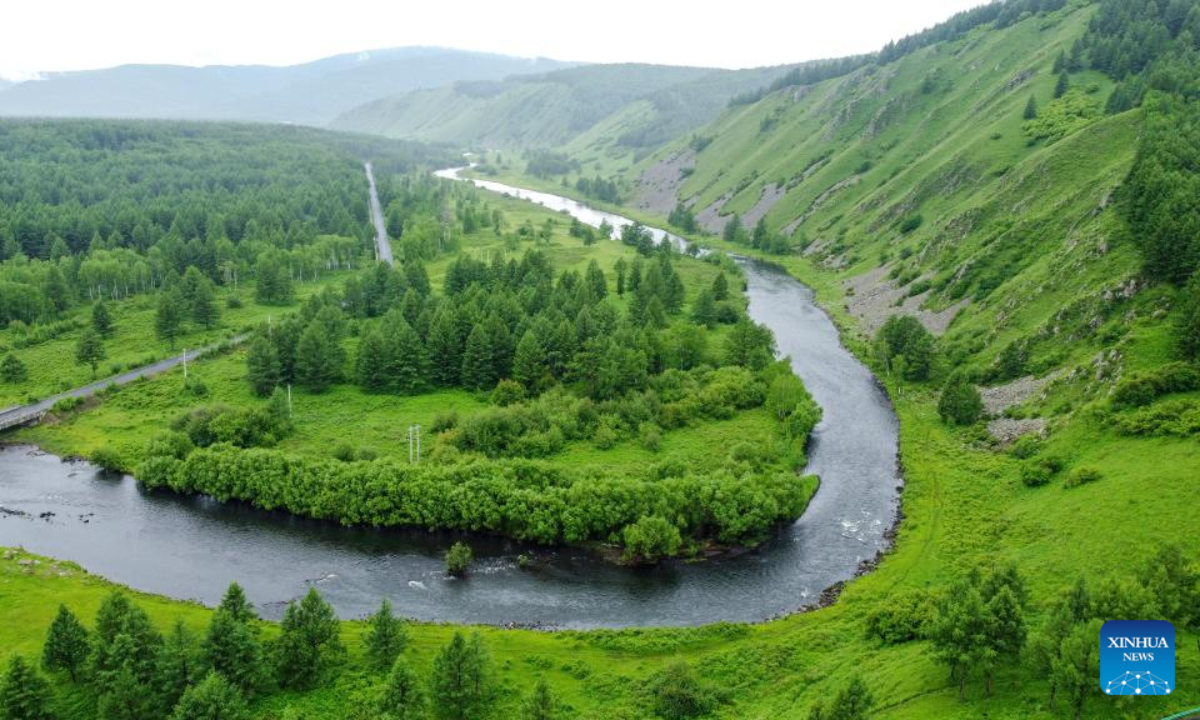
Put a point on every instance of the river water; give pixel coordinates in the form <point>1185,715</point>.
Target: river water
<point>192,547</point>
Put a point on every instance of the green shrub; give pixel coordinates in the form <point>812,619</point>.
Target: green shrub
<point>508,392</point>
<point>108,458</point>
<point>903,618</point>
<point>1026,447</point>
<point>677,694</point>
<point>458,559</point>
<point>1081,475</point>
<point>960,403</point>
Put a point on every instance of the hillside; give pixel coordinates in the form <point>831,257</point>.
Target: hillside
<point>634,108</point>
<point>310,93</point>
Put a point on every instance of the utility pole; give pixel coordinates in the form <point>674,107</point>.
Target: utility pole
<point>289,399</point>
<point>185,363</point>
<point>414,443</point>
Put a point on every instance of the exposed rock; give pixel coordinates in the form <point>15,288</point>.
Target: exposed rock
<point>1001,397</point>
<point>710,218</point>
<point>1007,430</point>
<point>658,187</point>
<point>772,193</point>
<point>873,298</point>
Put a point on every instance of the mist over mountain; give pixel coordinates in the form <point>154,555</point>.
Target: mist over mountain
<point>311,93</point>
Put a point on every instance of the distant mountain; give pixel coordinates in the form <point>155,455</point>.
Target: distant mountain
<point>634,106</point>
<point>311,93</point>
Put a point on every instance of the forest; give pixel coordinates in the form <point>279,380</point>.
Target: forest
<point>561,362</point>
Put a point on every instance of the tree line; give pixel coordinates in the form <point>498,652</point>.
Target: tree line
<point>131,670</point>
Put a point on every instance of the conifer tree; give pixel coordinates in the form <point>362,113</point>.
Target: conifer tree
<point>1062,85</point>
<point>90,350</point>
<point>214,698</point>
<point>66,645</point>
<point>231,649</point>
<point>101,319</point>
<point>237,605</point>
<point>24,695</point>
<point>386,638</point>
<point>529,362</point>
<point>168,317</point>
<point>1031,109</point>
<point>477,363</point>
<point>403,697</point>
<point>541,704</point>
<point>262,366</point>
<point>461,680</point>
<point>308,640</point>
<point>178,666</point>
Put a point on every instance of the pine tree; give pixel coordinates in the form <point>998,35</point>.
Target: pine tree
<point>24,695</point>
<point>541,704</point>
<point>214,698</point>
<point>445,349</point>
<point>854,701</point>
<point>67,645</point>
<point>596,281</point>
<point>179,665</point>
<point>168,317</point>
<point>720,287</point>
<point>1063,85</point>
<point>704,309</point>
<point>101,319</point>
<point>317,361</point>
<point>237,605</point>
<point>371,366</point>
<point>477,363</point>
<point>959,631</point>
<point>308,639</point>
<point>386,638</point>
<point>1007,631</point>
<point>262,366</point>
<point>408,368</point>
<point>1078,665</point>
<point>733,229</point>
<point>760,238</point>
<point>12,370</point>
<point>1188,319</point>
<point>529,362</point>
<point>231,649</point>
<point>461,680</point>
<point>90,350</point>
<point>621,267</point>
<point>203,310</point>
<point>125,690</point>
<point>1031,109</point>
<point>403,697</point>
<point>109,619</point>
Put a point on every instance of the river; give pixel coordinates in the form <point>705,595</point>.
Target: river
<point>192,547</point>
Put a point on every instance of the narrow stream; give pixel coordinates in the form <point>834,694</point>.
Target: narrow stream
<point>192,548</point>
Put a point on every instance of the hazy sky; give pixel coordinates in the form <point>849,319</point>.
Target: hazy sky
<point>46,35</point>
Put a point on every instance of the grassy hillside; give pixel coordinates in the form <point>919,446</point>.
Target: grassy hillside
<point>627,109</point>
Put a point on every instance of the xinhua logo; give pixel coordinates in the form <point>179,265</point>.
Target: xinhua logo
<point>1137,657</point>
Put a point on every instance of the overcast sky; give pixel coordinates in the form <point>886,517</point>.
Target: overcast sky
<point>47,35</point>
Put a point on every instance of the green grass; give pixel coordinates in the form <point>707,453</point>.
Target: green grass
<point>51,364</point>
